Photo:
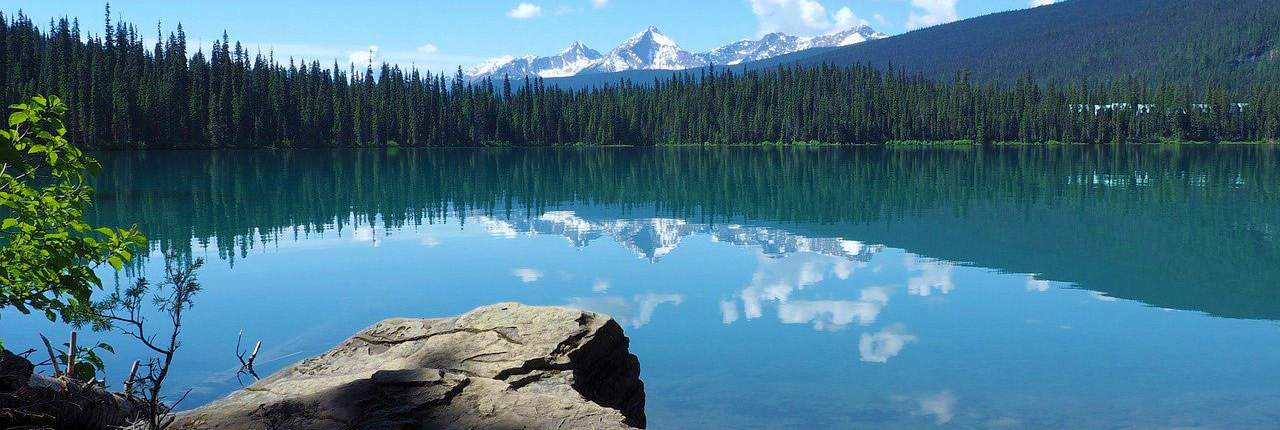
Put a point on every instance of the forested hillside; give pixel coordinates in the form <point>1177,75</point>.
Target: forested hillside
<point>1231,42</point>
<point>126,94</point>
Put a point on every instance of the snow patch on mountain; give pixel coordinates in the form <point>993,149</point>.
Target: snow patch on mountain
<point>653,50</point>
<point>649,50</point>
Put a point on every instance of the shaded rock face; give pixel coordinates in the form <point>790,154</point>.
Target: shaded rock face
<point>505,366</point>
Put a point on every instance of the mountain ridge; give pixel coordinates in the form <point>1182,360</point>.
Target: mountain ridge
<point>651,50</point>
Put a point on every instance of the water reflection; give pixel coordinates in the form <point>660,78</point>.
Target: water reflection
<point>633,313</point>
<point>910,288</point>
<point>1199,219</point>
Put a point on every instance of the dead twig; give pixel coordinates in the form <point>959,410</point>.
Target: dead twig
<point>133,373</point>
<point>246,362</point>
<point>53,358</point>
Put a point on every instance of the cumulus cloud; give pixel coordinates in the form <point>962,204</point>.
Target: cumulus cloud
<point>801,17</point>
<point>527,275</point>
<point>525,11</point>
<point>929,13</point>
<point>880,346</point>
<point>600,286</point>
<point>1038,3</point>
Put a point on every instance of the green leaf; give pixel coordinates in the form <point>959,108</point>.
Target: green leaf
<point>8,223</point>
<point>53,317</point>
<point>18,118</point>
<point>115,262</point>
<point>107,347</point>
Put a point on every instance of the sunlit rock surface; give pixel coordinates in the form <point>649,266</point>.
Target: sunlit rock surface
<point>503,366</point>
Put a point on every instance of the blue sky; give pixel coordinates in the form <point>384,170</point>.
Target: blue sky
<point>440,35</point>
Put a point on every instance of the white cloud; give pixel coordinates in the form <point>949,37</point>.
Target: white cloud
<point>600,286</point>
<point>1038,3</point>
<point>931,13</point>
<point>429,48</point>
<point>527,275</point>
<point>844,18</point>
<point>599,3</point>
<point>880,19</point>
<point>880,346</point>
<point>366,56</point>
<point>941,405</point>
<point>525,11</point>
<point>801,17</point>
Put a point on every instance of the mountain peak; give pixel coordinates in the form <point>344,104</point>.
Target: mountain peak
<point>576,48</point>
<point>652,50</point>
<point>653,35</point>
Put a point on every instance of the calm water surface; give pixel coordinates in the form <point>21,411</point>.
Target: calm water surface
<point>1015,287</point>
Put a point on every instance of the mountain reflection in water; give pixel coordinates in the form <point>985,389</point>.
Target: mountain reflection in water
<point>1006,287</point>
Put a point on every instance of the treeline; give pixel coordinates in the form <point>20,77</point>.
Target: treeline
<point>125,94</point>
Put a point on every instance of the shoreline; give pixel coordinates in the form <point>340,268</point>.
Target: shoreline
<point>890,144</point>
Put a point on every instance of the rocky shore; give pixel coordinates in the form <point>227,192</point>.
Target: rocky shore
<point>505,366</point>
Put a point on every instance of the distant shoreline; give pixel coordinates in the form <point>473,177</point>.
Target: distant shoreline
<point>891,144</point>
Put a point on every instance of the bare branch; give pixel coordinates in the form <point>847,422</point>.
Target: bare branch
<point>53,358</point>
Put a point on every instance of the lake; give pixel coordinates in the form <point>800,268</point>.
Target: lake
<point>878,287</point>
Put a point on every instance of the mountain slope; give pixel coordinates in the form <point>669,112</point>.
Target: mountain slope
<point>649,50</point>
<point>775,44</point>
<point>567,63</point>
<point>1236,42</point>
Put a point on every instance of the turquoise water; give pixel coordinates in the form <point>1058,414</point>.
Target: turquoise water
<point>1011,287</point>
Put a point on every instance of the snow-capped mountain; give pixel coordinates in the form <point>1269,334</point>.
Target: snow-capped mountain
<point>652,50</point>
<point>649,50</point>
<point>775,44</point>
<point>568,62</point>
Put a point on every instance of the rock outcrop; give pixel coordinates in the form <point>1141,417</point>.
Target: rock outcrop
<point>505,366</point>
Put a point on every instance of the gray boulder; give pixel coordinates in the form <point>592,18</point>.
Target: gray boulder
<point>505,366</point>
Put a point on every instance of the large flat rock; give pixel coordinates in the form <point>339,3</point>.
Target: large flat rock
<point>505,366</point>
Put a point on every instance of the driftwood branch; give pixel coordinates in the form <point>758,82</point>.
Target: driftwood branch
<point>53,357</point>
<point>246,361</point>
<point>128,382</point>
